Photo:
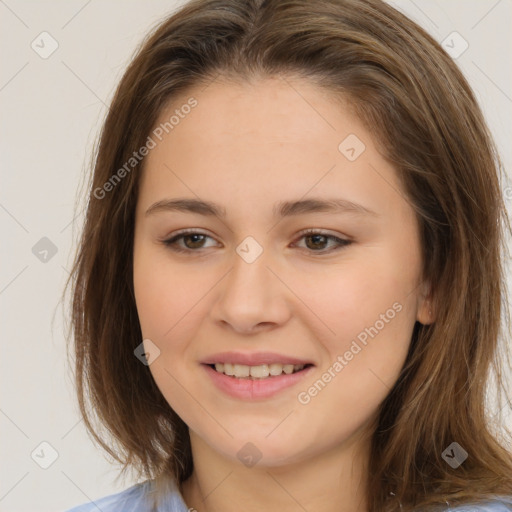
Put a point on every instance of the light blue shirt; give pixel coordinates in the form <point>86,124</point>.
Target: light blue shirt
<point>134,499</point>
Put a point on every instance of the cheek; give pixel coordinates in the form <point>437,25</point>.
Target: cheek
<point>363,358</point>
<point>167,301</point>
<point>368,312</point>
<point>164,295</point>
<point>355,295</point>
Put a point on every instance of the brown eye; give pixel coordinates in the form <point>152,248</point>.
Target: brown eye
<point>317,242</point>
<point>192,241</point>
<point>195,240</point>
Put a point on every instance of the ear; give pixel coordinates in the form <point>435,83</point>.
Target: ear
<point>425,310</point>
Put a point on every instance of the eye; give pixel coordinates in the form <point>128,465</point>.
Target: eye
<point>317,240</point>
<point>192,240</point>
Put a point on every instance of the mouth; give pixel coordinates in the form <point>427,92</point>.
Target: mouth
<point>259,372</point>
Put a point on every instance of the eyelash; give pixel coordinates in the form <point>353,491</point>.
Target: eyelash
<point>171,243</point>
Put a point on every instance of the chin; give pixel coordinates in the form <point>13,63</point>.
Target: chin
<point>254,448</point>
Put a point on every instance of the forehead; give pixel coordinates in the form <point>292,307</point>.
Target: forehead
<point>271,111</point>
<point>274,137</point>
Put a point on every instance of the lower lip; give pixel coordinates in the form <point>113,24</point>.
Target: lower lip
<point>248,389</point>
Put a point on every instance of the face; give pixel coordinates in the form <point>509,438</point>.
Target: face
<point>270,271</point>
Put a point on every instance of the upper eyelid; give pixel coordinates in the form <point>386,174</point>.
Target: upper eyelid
<point>341,241</point>
<point>192,231</point>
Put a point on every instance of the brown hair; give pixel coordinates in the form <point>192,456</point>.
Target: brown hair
<point>423,114</point>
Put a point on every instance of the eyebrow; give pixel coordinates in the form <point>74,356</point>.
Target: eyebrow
<point>281,209</point>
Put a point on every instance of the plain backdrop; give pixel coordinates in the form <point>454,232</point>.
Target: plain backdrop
<point>51,108</point>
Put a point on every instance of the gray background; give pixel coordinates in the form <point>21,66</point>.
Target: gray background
<point>51,110</point>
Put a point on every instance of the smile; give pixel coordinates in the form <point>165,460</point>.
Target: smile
<point>255,382</point>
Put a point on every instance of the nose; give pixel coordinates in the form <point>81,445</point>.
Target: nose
<point>252,297</point>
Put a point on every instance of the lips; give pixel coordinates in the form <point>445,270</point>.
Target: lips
<point>258,388</point>
<point>262,385</point>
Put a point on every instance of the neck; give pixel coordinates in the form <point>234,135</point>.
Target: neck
<point>334,480</point>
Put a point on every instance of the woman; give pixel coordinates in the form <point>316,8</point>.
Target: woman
<point>289,287</point>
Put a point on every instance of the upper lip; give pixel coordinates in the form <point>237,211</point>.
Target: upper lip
<point>253,359</point>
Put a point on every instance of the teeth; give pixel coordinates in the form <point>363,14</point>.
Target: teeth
<point>275,369</point>
<point>257,372</point>
<point>240,370</point>
<point>288,368</point>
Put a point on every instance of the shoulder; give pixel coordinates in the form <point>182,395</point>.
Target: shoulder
<point>498,504</point>
<point>134,499</point>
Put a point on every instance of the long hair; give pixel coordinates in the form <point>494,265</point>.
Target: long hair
<point>419,107</point>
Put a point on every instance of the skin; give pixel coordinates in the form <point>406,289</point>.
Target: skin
<point>246,147</point>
